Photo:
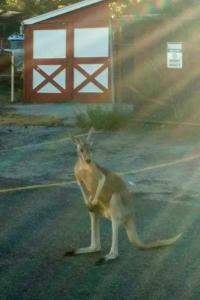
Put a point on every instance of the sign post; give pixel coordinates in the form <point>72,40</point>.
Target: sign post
<point>12,78</point>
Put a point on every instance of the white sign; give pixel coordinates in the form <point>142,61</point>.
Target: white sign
<point>174,56</point>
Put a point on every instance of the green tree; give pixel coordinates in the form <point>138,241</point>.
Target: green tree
<point>31,8</point>
<point>34,7</point>
<point>140,7</point>
<point>2,4</point>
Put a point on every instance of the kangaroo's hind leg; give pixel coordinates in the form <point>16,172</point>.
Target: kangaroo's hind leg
<point>95,245</point>
<point>118,214</point>
<point>113,254</point>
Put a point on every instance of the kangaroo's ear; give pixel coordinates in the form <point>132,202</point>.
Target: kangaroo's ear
<point>91,131</point>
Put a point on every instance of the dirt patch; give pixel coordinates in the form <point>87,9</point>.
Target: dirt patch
<point>17,119</point>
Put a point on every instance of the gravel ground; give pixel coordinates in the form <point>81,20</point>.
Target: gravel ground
<point>38,225</point>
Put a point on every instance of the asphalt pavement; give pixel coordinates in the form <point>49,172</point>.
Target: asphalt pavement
<point>40,223</point>
<point>39,226</point>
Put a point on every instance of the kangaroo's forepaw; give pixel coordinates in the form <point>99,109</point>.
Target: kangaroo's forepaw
<point>70,253</point>
<point>91,207</point>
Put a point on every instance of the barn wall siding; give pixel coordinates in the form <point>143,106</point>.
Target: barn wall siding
<point>148,83</point>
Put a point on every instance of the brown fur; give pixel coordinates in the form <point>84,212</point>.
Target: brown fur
<point>106,194</point>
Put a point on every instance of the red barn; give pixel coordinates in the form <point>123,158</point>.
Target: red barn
<point>67,54</point>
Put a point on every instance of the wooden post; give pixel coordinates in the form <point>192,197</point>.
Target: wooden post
<point>117,59</point>
<point>112,63</point>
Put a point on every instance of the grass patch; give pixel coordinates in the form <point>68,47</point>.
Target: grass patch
<point>16,119</point>
<point>102,118</point>
<point>5,91</point>
<point>4,94</point>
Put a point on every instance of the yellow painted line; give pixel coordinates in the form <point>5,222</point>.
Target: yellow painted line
<point>40,186</point>
<point>36,186</point>
<point>163,165</point>
<point>66,183</point>
<point>61,140</point>
<point>36,145</point>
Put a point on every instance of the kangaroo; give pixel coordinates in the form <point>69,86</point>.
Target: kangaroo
<point>106,194</point>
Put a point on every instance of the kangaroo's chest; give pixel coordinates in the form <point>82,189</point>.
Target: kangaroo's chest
<point>88,176</point>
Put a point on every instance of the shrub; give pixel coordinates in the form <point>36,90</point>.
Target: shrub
<point>102,118</point>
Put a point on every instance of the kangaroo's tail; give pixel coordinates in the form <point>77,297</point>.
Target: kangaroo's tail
<point>134,239</point>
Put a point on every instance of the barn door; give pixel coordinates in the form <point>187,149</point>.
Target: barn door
<point>69,64</point>
<point>50,65</point>
<point>91,70</point>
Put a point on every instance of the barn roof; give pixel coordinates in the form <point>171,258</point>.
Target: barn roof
<point>60,11</point>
